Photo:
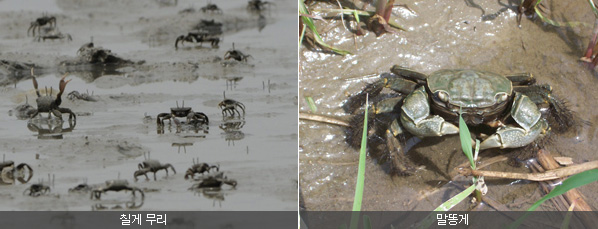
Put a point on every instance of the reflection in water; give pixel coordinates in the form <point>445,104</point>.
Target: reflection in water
<point>214,194</point>
<point>232,129</point>
<point>231,82</point>
<point>190,130</point>
<point>9,173</point>
<point>107,206</point>
<point>115,186</point>
<point>50,128</point>
<point>184,145</point>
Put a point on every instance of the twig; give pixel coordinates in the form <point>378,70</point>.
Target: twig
<point>548,175</point>
<point>324,119</point>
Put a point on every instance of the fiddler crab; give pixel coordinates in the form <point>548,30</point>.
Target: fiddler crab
<point>116,186</point>
<point>214,182</point>
<point>236,55</point>
<point>229,106</point>
<point>200,168</point>
<point>510,108</point>
<point>152,166</point>
<point>42,21</point>
<point>51,105</point>
<point>9,172</point>
<point>182,112</point>
<point>213,8</point>
<point>37,190</point>
<point>81,96</point>
<point>197,37</point>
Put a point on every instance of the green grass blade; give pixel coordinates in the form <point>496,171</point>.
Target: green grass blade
<point>465,138</point>
<point>572,182</point>
<point>310,24</point>
<point>593,8</point>
<point>310,102</point>
<point>430,219</point>
<point>367,224</point>
<point>361,170</point>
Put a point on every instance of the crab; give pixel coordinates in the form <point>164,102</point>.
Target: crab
<point>24,111</point>
<point>152,166</point>
<point>236,55</point>
<point>81,188</point>
<point>183,112</point>
<point>257,5</point>
<point>39,22</point>
<point>213,8</point>
<point>197,37</point>
<point>214,182</point>
<point>9,172</point>
<point>116,186</point>
<point>81,96</point>
<point>53,35</point>
<point>50,105</point>
<point>230,106</point>
<point>200,168</point>
<point>507,106</point>
<point>37,190</point>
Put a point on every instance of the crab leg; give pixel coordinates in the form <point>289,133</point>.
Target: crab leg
<point>416,118</point>
<point>521,79</point>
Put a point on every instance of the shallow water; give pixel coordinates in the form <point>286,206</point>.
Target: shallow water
<point>440,35</point>
<point>113,137</point>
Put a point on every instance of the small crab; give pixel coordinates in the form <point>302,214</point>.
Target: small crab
<point>236,55</point>
<point>230,106</point>
<point>197,37</point>
<point>152,166</point>
<point>37,190</point>
<point>507,108</point>
<point>200,168</point>
<point>81,96</point>
<point>24,111</point>
<point>257,5</point>
<point>213,8</point>
<point>50,105</point>
<point>9,172</point>
<point>214,182</point>
<point>116,186</point>
<point>81,188</point>
<point>53,35</point>
<point>38,23</point>
<point>182,112</point>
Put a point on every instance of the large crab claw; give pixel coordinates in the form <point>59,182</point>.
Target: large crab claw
<point>528,116</point>
<point>416,118</point>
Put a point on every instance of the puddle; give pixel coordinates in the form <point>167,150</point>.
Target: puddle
<point>112,134</point>
<point>440,35</point>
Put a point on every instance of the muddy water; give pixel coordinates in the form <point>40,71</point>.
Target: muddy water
<point>440,34</point>
<point>111,135</point>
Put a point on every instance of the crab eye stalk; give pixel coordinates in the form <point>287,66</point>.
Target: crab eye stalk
<point>442,96</point>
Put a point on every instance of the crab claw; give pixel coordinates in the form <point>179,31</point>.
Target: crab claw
<point>416,118</point>
<point>514,137</point>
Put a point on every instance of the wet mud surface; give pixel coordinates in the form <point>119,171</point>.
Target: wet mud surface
<point>117,131</point>
<point>440,35</point>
